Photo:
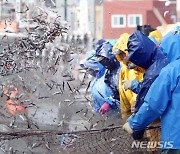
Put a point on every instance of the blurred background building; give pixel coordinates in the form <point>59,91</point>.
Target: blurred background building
<point>106,19</point>
<point>124,16</point>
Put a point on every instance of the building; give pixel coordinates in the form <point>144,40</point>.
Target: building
<point>120,16</point>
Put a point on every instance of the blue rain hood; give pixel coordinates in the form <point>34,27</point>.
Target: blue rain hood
<point>141,50</point>
<point>106,51</point>
<point>144,53</point>
<point>94,65</point>
<point>170,44</point>
<point>99,44</point>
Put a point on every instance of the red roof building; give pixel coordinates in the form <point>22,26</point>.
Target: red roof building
<point>120,16</point>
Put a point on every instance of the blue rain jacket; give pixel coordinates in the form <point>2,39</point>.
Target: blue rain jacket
<point>162,100</point>
<point>144,53</point>
<point>100,91</point>
<point>170,44</point>
<point>113,68</point>
<point>99,44</point>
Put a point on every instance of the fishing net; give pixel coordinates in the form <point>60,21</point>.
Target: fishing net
<point>109,140</point>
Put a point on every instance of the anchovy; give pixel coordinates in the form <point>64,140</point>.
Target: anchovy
<point>49,86</point>
<point>85,113</point>
<point>5,36</point>
<point>86,127</point>
<point>27,9</point>
<point>71,103</point>
<point>44,97</point>
<point>69,87</point>
<point>58,58</point>
<point>47,146</point>
<point>61,124</point>
<point>79,111</point>
<point>70,60</point>
<point>87,99</point>
<point>88,86</point>
<point>57,93</point>
<point>63,85</point>
<point>35,145</point>
<point>100,94</point>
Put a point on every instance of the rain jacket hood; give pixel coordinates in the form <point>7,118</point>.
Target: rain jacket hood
<point>144,53</point>
<point>92,64</point>
<point>170,44</point>
<point>106,51</point>
<point>156,34</point>
<point>99,44</point>
<point>141,50</point>
<point>121,44</point>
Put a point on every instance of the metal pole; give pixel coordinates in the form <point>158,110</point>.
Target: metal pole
<point>18,15</point>
<point>65,10</point>
<point>1,3</point>
<point>92,16</point>
<point>28,17</point>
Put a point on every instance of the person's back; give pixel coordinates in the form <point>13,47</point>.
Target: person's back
<point>170,119</point>
<point>162,100</point>
<point>170,44</point>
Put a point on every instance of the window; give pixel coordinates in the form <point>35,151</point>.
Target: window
<point>118,21</point>
<point>134,20</point>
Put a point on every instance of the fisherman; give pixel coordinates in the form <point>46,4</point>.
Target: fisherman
<point>103,101</point>
<point>147,55</point>
<point>127,98</point>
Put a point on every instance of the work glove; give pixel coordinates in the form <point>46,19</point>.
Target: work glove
<point>104,108</point>
<point>131,66</point>
<point>127,84</point>
<point>137,135</point>
<point>127,128</point>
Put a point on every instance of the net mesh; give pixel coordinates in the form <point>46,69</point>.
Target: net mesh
<point>108,140</point>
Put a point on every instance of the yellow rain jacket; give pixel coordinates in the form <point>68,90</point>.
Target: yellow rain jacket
<point>127,98</point>
<point>157,35</point>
